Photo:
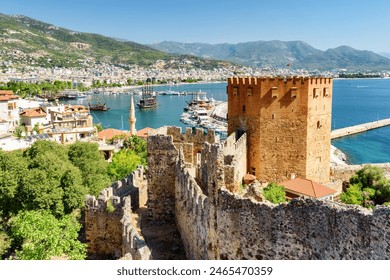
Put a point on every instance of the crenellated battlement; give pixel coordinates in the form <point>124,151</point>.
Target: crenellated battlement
<point>109,229</point>
<point>288,81</point>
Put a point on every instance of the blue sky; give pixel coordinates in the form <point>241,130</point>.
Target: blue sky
<point>361,24</point>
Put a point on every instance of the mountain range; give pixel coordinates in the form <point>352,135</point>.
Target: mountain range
<point>296,54</point>
<point>28,42</point>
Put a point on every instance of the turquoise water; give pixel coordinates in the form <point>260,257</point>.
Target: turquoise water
<point>359,101</point>
<point>354,102</point>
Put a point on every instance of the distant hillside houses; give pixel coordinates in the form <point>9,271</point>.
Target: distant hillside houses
<point>65,124</point>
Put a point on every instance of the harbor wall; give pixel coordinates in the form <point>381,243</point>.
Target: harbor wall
<point>341,132</point>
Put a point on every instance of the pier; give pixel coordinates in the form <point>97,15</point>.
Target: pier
<point>350,130</point>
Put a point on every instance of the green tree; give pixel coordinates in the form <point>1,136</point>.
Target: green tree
<point>275,193</point>
<point>5,243</point>
<point>19,131</point>
<point>368,187</point>
<point>36,128</point>
<point>98,126</point>
<point>52,182</point>
<point>93,167</point>
<point>38,235</point>
<point>353,195</point>
<point>13,168</point>
<point>139,146</point>
<point>123,163</point>
<point>368,176</point>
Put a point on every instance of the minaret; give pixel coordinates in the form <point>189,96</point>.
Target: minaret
<point>132,118</point>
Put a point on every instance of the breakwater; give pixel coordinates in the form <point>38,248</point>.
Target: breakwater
<point>350,130</point>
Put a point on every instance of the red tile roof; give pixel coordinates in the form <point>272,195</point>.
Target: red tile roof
<point>6,95</point>
<point>143,133</point>
<point>33,113</point>
<point>109,133</point>
<point>307,187</point>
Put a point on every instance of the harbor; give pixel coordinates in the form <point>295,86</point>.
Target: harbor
<point>355,102</point>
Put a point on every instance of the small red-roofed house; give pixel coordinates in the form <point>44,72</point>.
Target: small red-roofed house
<point>109,133</point>
<point>143,133</point>
<point>307,188</point>
<point>32,117</point>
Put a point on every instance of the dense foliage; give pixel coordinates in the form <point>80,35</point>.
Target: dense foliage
<point>368,187</point>
<point>41,189</point>
<point>126,161</point>
<point>41,88</point>
<point>38,235</point>
<point>275,193</point>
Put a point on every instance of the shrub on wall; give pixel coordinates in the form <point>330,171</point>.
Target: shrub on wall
<point>275,193</point>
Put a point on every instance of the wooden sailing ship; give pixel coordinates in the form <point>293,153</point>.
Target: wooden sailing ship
<point>148,98</point>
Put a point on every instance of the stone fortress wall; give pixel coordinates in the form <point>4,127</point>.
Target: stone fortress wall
<point>344,172</point>
<point>113,234</point>
<point>215,223</point>
<point>163,152</point>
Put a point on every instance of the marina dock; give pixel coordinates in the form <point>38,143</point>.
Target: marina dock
<point>350,130</point>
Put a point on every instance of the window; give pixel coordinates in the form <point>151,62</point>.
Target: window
<point>316,92</point>
<point>273,116</point>
<point>249,91</point>
<point>326,92</point>
<point>253,171</point>
<point>294,92</point>
<point>243,108</point>
<point>274,91</point>
<point>235,91</point>
<point>319,125</point>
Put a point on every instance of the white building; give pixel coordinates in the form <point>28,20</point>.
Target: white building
<point>9,112</point>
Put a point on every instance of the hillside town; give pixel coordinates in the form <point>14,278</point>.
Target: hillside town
<point>120,75</point>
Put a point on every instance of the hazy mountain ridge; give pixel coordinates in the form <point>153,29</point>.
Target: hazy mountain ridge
<point>280,53</point>
<point>27,41</point>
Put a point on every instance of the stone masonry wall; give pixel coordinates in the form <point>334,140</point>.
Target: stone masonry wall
<point>235,157</point>
<point>111,235</point>
<point>302,229</point>
<point>162,157</point>
<point>163,152</point>
<point>216,224</point>
<point>191,215</point>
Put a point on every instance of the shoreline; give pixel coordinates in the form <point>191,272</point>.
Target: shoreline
<point>124,89</point>
<point>338,157</point>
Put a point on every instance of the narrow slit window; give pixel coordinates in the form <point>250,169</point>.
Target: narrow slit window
<point>294,92</point>
<point>326,92</point>
<point>274,91</point>
<point>316,92</point>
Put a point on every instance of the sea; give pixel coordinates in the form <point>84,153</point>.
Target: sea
<point>355,101</point>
